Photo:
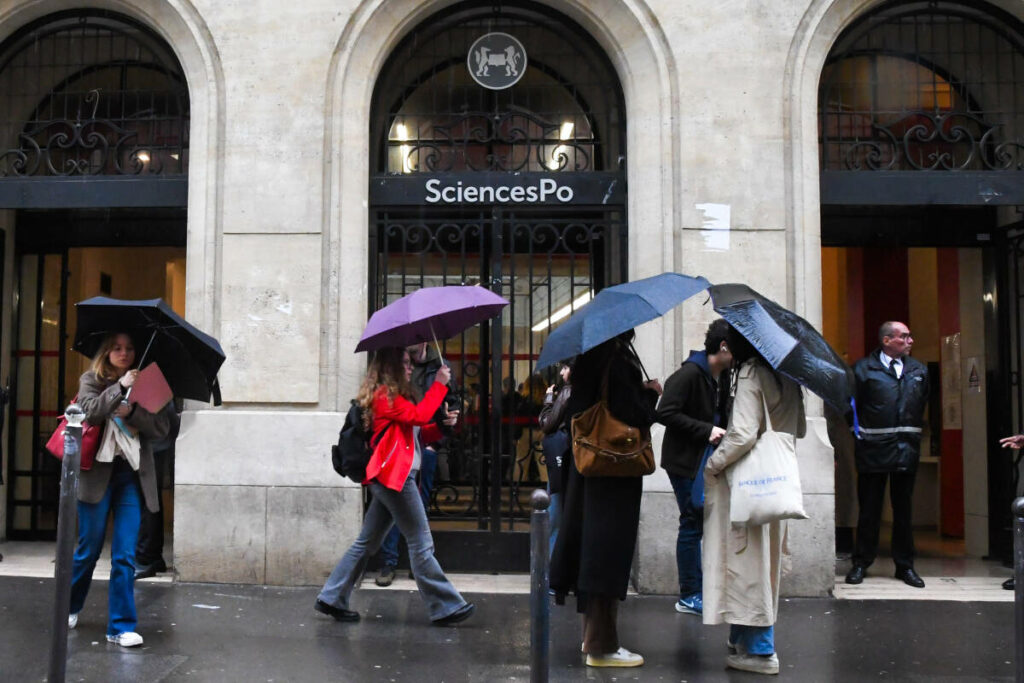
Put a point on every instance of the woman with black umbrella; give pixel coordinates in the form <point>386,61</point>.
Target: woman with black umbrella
<point>601,515</point>
<point>122,475</point>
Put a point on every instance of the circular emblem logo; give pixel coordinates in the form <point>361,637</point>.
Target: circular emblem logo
<point>496,61</point>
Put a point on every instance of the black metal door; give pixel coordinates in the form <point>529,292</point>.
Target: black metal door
<point>541,261</point>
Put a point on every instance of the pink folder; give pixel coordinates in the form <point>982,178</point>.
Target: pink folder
<point>151,390</point>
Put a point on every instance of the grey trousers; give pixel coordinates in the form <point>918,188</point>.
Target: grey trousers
<point>404,508</point>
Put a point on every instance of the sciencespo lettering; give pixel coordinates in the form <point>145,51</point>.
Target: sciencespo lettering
<point>545,190</point>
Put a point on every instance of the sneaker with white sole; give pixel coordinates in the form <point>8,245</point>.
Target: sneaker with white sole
<point>691,604</point>
<point>621,657</point>
<point>758,664</point>
<point>72,620</point>
<point>126,639</point>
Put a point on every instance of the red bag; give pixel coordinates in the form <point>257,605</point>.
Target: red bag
<point>91,437</point>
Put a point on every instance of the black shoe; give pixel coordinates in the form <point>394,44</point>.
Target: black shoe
<point>145,571</point>
<point>856,574</point>
<point>337,613</point>
<point>386,576</point>
<point>910,577</point>
<point>461,614</point>
<point>1010,584</point>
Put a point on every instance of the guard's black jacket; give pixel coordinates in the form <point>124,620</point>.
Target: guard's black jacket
<point>891,414</point>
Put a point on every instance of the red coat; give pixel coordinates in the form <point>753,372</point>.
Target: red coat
<point>392,457</point>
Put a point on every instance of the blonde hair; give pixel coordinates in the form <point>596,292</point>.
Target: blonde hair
<point>387,369</point>
<point>101,365</point>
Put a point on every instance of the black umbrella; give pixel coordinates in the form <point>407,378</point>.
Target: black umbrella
<point>788,342</point>
<point>188,358</point>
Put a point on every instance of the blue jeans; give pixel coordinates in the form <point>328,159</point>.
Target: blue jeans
<point>691,530</point>
<point>124,498</point>
<point>388,508</point>
<point>555,515</point>
<point>389,548</point>
<point>754,640</point>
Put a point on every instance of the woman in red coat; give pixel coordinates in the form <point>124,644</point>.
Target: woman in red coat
<point>399,428</point>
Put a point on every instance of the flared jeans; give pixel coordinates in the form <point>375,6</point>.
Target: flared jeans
<point>405,509</point>
<point>123,498</point>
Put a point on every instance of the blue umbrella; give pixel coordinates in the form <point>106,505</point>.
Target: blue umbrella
<point>617,309</point>
<point>789,343</point>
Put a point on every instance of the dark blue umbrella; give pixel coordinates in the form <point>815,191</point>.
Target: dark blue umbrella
<point>789,343</point>
<point>188,357</point>
<point>617,309</point>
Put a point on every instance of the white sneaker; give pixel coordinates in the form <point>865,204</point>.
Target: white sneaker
<point>758,664</point>
<point>621,657</point>
<point>126,639</point>
<point>72,620</point>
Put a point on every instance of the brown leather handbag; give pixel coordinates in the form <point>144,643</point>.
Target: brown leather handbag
<point>604,446</point>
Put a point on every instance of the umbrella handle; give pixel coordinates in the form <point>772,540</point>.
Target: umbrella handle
<point>637,356</point>
<point>141,359</point>
<point>436,345</point>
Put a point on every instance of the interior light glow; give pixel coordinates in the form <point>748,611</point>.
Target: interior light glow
<point>403,134</point>
<point>143,157</point>
<point>564,133</point>
<point>562,312</point>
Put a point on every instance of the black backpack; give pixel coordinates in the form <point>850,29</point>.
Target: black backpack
<point>352,453</point>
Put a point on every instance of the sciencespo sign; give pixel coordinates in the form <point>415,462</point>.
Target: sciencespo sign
<point>509,189</point>
<point>544,191</point>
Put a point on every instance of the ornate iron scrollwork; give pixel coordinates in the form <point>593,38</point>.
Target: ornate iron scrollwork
<point>97,146</point>
<point>514,140</point>
<point>924,141</point>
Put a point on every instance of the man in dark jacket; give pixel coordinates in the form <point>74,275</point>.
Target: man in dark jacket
<point>688,411</point>
<point>892,392</point>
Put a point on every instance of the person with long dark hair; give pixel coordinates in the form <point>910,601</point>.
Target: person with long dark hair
<point>395,421</point>
<point>742,565</point>
<point>123,474</point>
<point>600,515</point>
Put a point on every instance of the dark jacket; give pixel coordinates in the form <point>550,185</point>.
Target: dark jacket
<point>99,398</point>
<point>423,378</point>
<point>594,550</point>
<point>890,413</point>
<point>555,443</point>
<point>687,409</point>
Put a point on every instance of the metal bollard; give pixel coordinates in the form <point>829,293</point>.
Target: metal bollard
<point>1018,588</point>
<point>540,604</point>
<point>67,518</point>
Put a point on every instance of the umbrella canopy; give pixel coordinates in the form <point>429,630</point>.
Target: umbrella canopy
<point>188,358</point>
<point>788,342</point>
<point>615,310</point>
<point>428,314</point>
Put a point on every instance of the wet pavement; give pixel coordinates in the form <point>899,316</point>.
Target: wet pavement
<point>212,632</point>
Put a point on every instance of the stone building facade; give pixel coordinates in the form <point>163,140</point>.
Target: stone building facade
<point>719,151</point>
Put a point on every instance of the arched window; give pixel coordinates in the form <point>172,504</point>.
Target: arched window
<point>88,93</point>
<point>933,86</point>
<point>560,116</point>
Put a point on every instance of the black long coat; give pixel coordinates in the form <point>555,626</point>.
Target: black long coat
<point>594,549</point>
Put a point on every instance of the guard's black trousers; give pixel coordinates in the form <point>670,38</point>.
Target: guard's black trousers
<point>870,494</point>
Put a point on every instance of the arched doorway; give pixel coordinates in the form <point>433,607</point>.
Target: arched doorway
<point>520,188</point>
<point>921,134</point>
<point>94,126</point>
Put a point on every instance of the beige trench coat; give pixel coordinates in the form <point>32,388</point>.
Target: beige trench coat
<point>742,565</point>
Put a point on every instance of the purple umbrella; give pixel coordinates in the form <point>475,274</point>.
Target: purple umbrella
<point>430,313</point>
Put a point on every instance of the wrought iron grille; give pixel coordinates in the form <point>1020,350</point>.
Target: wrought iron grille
<point>925,85</point>
<point>566,113</point>
<point>90,93</point>
<point>541,262</point>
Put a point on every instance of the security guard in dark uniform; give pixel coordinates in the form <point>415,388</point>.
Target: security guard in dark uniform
<point>892,392</point>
